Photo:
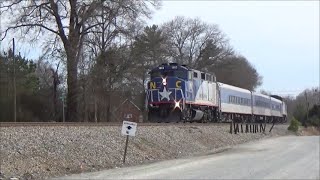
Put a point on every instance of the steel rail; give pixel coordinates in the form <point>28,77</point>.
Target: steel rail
<point>27,124</point>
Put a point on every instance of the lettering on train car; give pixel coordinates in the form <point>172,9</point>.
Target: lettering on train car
<point>152,85</point>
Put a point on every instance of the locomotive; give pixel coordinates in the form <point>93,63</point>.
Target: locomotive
<point>178,93</point>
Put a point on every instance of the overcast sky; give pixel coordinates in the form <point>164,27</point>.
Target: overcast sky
<point>280,39</point>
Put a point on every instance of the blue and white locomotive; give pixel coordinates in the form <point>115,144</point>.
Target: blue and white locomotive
<point>178,93</point>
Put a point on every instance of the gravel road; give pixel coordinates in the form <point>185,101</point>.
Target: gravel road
<point>289,157</point>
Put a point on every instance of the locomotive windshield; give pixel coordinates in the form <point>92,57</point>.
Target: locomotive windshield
<point>171,73</point>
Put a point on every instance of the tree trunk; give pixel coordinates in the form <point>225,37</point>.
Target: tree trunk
<point>95,109</point>
<point>72,81</point>
<point>54,100</point>
<point>108,107</point>
<point>56,82</point>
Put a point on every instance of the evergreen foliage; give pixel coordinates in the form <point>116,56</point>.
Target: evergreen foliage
<point>294,125</point>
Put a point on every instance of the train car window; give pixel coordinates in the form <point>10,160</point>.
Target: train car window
<point>195,74</point>
<point>203,76</point>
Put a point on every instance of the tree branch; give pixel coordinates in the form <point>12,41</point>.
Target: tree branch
<point>28,25</point>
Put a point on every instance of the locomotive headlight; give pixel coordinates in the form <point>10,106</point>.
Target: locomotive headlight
<point>176,104</point>
<point>164,81</point>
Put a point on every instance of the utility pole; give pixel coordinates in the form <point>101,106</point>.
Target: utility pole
<point>318,90</point>
<point>14,84</point>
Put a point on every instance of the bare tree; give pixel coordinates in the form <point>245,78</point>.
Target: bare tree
<point>190,40</point>
<point>237,71</point>
<point>55,83</point>
<point>70,21</point>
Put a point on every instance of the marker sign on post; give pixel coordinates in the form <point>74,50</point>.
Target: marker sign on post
<point>129,128</point>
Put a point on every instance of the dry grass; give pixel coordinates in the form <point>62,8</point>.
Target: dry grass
<point>309,131</point>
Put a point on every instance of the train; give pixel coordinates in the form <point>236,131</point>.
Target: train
<point>177,93</point>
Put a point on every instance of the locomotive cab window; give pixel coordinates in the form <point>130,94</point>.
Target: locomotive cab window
<point>195,74</point>
<point>203,76</point>
<point>155,74</point>
<point>180,74</point>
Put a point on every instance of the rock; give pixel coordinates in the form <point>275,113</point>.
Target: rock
<point>27,176</point>
<point>2,177</point>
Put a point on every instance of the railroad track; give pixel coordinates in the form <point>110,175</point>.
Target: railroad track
<point>45,124</point>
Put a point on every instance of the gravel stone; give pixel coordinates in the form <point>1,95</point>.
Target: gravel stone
<point>45,152</point>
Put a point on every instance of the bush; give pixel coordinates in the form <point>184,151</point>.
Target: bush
<point>294,125</point>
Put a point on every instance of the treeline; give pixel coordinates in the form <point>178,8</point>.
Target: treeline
<point>305,107</point>
<point>97,54</point>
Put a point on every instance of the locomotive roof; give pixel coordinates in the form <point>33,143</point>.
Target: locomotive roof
<point>176,66</point>
<point>275,100</point>
<point>170,66</point>
<point>277,97</point>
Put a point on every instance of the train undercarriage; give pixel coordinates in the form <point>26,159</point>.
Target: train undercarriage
<point>194,113</point>
<point>190,113</point>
